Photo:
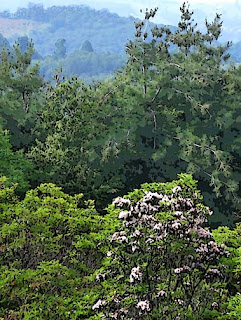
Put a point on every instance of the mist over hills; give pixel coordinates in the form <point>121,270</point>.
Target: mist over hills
<point>108,32</point>
<point>59,33</point>
<point>168,10</point>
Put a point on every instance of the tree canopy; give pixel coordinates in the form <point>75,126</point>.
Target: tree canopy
<point>174,108</point>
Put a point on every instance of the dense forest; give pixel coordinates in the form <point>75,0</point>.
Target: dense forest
<point>120,197</point>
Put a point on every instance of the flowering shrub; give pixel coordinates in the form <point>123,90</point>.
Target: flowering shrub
<point>162,263</point>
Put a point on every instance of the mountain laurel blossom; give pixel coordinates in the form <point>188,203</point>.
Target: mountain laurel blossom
<point>162,243</point>
<point>98,304</point>
<point>123,215</point>
<point>143,305</point>
<point>136,274</point>
<point>176,189</point>
<point>161,293</point>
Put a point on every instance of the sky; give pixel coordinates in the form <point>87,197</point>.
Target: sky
<point>12,5</point>
<point>168,12</point>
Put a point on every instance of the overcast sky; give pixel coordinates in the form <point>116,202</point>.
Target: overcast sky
<point>14,4</point>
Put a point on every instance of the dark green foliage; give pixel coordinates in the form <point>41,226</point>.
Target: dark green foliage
<point>14,165</point>
<point>67,133</point>
<point>20,86</point>
<point>173,108</point>
<point>167,112</point>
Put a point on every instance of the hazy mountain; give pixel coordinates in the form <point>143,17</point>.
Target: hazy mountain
<point>68,29</point>
<point>168,10</point>
<point>106,31</point>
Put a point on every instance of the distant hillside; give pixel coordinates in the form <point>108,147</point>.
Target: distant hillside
<point>60,34</point>
<point>84,64</point>
<point>19,27</point>
<point>106,31</point>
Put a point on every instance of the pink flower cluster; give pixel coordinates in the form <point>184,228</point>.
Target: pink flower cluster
<point>163,242</point>
<point>136,274</point>
<point>144,305</point>
<point>120,237</point>
<point>182,269</point>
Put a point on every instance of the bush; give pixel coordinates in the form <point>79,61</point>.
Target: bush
<point>48,244</point>
<point>161,262</point>
<point>231,238</point>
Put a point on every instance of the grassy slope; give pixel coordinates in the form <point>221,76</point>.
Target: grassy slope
<point>21,27</point>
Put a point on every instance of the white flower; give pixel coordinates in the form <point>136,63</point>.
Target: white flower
<point>136,233</point>
<point>165,198</point>
<point>123,214</point>
<point>176,225</point>
<point>161,293</point>
<point>119,236</point>
<point>152,195</point>
<point>214,304</point>
<point>123,239</point>
<point>115,236</point>
<point>121,202</point>
<point>176,189</point>
<point>178,270</point>
<point>157,226</point>
<point>100,277</point>
<point>178,213</point>
<point>136,274</point>
<point>214,272</point>
<point>144,305</point>
<point>146,218</point>
<point>180,301</point>
<point>98,304</point>
<point>204,233</point>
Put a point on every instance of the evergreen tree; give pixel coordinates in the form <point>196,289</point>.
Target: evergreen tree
<point>169,111</point>
<point>86,46</point>
<point>20,93</point>
<point>60,50</point>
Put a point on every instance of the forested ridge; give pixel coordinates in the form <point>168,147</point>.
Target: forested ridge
<point>120,197</point>
<point>107,31</point>
<point>60,34</point>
